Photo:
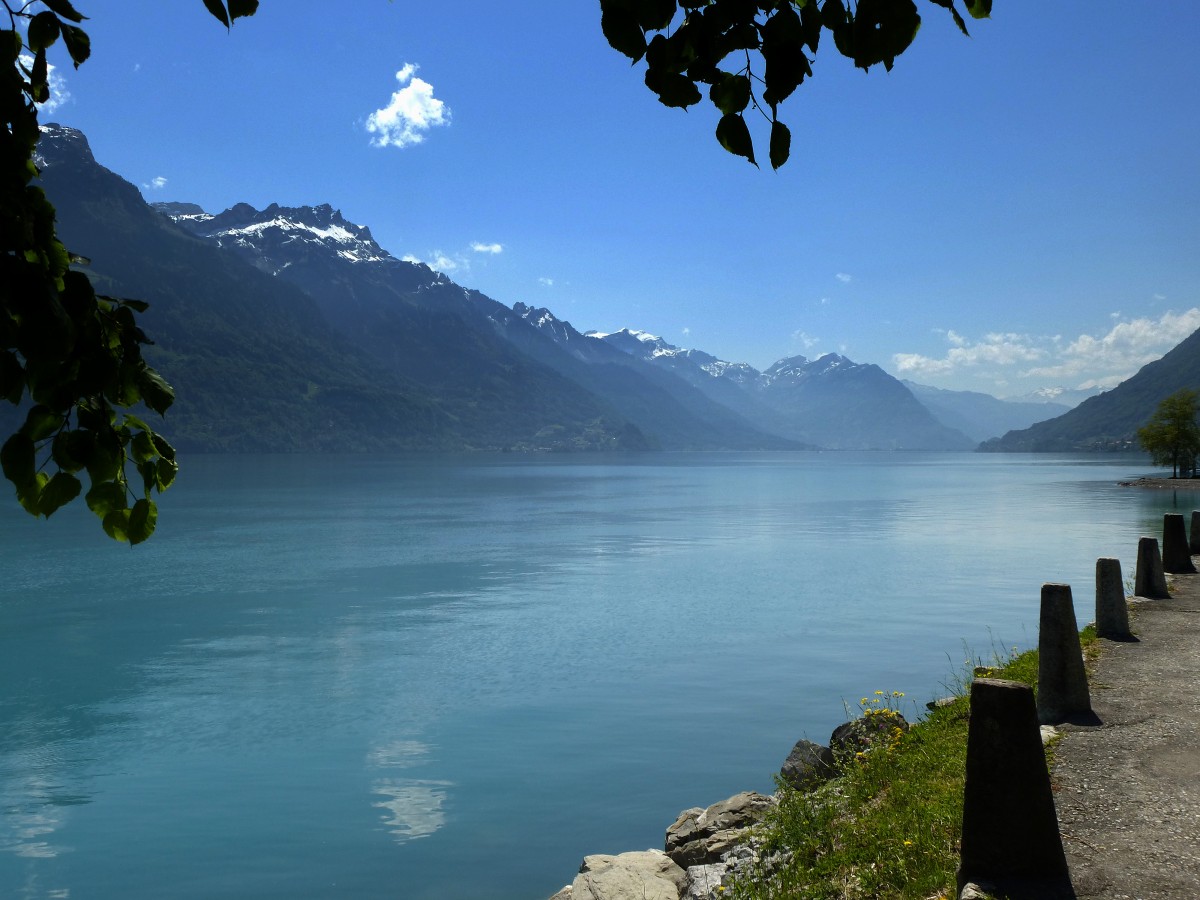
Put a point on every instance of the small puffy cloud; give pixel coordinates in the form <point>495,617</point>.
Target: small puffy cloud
<point>155,184</point>
<point>411,112</point>
<point>804,340</point>
<point>443,263</point>
<point>487,248</point>
<point>686,331</point>
<point>439,261</point>
<point>546,282</point>
<point>844,278</point>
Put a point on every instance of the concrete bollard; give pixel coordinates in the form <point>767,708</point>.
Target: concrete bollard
<point>1149,580</point>
<point>1062,681</point>
<point>1112,614</point>
<point>1010,840</point>
<point>1176,555</point>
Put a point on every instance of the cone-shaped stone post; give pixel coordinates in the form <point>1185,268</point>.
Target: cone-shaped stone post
<point>1112,614</point>
<point>1176,556</point>
<point>1010,840</point>
<point>1149,580</point>
<point>1062,681</point>
<point>1194,543</point>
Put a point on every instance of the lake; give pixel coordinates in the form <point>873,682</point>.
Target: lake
<point>441,678</point>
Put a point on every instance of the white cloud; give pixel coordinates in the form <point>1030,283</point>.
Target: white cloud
<point>59,95</point>
<point>546,282</point>
<point>686,331</point>
<point>1126,348</point>
<point>844,278</point>
<point>1089,361</point>
<point>998,348</point>
<point>443,263</point>
<point>155,184</point>
<point>804,340</point>
<point>487,248</point>
<point>439,261</point>
<point>411,112</point>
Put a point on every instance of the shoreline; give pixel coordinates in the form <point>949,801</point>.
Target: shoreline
<point>1158,483</point>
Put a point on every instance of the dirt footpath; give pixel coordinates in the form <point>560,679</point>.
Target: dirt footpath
<point>1128,790</point>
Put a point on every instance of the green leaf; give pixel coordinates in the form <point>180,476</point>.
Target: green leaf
<point>217,8</point>
<point>165,450</point>
<point>734,136</point>
<point>103,462</point>
<point>620,26</point>
<point>116,524</point>
<point>142,519</point>
<point>79,45</point>
<point>155,391</point>
<point>781,144</point>
<point>59,491</point>
<point>731,94</point>
<point>39,85</point>
<point>979,9</point>
<point>41,423</point>
<point>166,470</point>
<point>17,459</point>
<point>43,31</point>
<point>136,305</point>
<point>655,15</point>
<point>149,473</point>
<point>29,494</point>
<point>239,9</point>
<point>672,88</point>
<point>64,9</point>
<point>142,448</point>
<point>72,448</point>
<point>105,497</point>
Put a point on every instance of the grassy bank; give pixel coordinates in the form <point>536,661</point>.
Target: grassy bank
<point>889,828</point>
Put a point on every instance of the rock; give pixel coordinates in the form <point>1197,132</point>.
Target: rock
<point>940,703</point>
<point>700,836</point>
<point>808,765</point>
<point>864,732</point>
<point>704,882</point>
<point>565,893</point>
<point>638,875</point>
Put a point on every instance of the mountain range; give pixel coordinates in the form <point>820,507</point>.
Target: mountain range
<point>291,329</point>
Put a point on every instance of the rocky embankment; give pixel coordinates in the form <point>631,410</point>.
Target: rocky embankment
<point>707,848</point>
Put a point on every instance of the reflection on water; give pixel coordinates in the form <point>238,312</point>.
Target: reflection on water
<point>414,808</point>
<point>327,678</point>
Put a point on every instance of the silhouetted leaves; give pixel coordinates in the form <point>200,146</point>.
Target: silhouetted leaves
<point>697,37</point>
<point>74,357</point>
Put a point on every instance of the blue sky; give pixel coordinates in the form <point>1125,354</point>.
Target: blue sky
<point>1000,213</point>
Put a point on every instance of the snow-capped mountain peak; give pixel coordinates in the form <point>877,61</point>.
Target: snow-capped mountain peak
<point>275,227</point>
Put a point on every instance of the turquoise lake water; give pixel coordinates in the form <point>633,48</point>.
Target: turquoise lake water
<point>417,678</point>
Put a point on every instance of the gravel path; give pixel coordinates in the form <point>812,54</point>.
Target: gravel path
<point>1128,790</point>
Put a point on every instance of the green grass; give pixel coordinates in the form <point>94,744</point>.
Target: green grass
<point>890,827</point>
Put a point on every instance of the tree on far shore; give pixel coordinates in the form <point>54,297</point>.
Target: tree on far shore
<point>1172,436</point>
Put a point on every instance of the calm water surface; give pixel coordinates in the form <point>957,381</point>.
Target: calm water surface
<point>397,677</point>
